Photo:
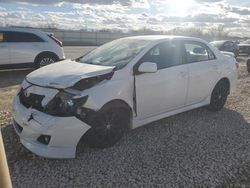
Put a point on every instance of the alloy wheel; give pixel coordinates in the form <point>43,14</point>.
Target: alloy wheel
<point>46,61</point>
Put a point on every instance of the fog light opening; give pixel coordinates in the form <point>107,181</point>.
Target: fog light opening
<point>44,139</point>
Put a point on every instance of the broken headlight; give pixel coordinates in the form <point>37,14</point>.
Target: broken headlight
<point>64,104</point>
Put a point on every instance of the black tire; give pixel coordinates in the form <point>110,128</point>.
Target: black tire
<point>108,127</point>
<point>219,96</point>
<point>248,65</point>
<point>45,60</point>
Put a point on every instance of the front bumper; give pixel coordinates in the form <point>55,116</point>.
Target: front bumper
<point>65,132</point>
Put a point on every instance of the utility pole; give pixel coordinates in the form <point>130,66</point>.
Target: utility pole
<point>5,181</point>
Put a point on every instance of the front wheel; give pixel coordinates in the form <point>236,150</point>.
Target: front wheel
<point>219,96</point>
<point>107,128</point>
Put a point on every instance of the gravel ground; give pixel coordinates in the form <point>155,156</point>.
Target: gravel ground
<point>193,149</point>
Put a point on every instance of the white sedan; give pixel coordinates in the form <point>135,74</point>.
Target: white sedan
<point>121,85</point>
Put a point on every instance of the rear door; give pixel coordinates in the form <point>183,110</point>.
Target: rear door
<point>24,46</point>
<point>4,49</point>
<point>203,69</point>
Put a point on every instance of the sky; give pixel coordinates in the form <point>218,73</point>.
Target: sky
<point>125,15</point>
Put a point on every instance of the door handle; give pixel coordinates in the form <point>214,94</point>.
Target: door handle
<point>3,46</point>
<point>183,74</point>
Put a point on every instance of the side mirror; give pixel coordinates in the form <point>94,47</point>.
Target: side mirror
<point>147,67</point>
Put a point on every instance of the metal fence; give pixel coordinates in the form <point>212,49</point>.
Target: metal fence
<point>86,38</point>
<point>95,38</point>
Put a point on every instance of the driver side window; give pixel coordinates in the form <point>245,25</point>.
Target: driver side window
<point>165,54</point>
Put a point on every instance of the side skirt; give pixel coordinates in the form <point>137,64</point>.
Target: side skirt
<point>140,122</point>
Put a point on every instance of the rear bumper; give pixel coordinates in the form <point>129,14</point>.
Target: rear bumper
<point>65,132</point>
<point>61,55</point>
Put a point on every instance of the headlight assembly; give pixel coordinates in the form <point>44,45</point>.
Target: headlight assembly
<point>64,104</point>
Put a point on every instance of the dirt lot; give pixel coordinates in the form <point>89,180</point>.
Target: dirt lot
<point>193,149</point>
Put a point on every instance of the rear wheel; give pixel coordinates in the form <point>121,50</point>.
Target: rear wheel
<point>219,96</point>
<point>45,60</point>
<point>107,128</point>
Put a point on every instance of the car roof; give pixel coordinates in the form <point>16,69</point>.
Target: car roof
<point>218,43</point>
<point>155,38</point>
<point>21,29</point>
<point>220,40</point>
<point>158,37</point>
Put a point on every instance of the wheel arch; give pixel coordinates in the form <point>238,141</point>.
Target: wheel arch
<point>223,79</point>
<point>211,106</point>
<point>118,103</point>
<point>226,80</point>
<point>45,53</point>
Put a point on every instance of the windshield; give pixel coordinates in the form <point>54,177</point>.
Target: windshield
<point>117,53</point>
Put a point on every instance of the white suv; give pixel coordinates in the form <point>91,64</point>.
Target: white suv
<point>25,47</point>
<point>121,85</point>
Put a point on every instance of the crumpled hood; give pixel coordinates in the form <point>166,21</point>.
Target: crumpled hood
<point>65,74</point>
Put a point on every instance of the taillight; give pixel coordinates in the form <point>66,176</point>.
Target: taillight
<point>237,65</point>
<point>56,40</point>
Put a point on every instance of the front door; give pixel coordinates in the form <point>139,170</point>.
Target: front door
<point>166,89</point>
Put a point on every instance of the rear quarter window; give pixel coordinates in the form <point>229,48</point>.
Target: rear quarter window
<point>197,52</point>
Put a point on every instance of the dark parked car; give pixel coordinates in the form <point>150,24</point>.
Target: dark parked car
<point>244,48</point>
<point>227,45</point>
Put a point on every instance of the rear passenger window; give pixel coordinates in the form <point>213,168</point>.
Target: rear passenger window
<point>166,54</point>
<point>197,52</point>
<point>22,37</point>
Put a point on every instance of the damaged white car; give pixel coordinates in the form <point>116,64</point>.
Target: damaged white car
<point>121,85</point>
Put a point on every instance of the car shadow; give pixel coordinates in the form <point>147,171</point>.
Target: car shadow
<point>197,147</point>
<point>12,77</point>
